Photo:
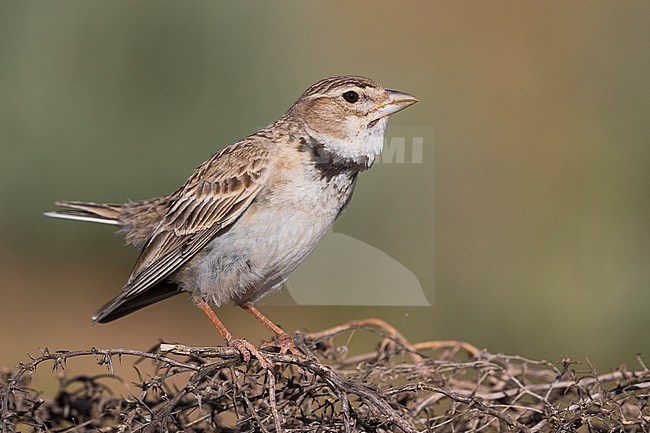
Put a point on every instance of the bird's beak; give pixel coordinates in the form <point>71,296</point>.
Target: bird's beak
<point>395,102</point>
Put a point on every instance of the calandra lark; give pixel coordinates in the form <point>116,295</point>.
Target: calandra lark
<point>249,215</point>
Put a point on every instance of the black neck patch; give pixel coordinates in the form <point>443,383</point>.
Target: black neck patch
<point>328,163</point>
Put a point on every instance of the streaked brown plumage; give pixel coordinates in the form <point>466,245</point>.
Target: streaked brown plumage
<point>251,213</point>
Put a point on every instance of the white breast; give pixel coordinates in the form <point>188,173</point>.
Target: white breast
<point>278,231</point>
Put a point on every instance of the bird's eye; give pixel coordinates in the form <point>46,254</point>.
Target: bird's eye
<point>351,96</point>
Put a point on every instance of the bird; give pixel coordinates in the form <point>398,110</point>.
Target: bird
<point>251,213</point>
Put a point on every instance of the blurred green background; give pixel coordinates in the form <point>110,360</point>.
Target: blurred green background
<point>527,224</point>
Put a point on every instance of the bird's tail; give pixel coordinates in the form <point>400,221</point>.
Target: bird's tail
<point>93,212</point>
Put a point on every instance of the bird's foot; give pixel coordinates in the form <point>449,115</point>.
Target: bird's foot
<point>247,349</point>
<point>285,345</point>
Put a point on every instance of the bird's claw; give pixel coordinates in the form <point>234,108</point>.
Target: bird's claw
<point>247,349</point>
<point>285,345</point>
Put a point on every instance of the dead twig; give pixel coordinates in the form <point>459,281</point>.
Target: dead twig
<point>444,387</point>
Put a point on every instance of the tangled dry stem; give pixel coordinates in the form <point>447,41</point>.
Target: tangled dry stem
<point>403,387</point>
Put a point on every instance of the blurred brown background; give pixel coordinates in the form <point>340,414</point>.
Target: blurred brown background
<point>526,224</point>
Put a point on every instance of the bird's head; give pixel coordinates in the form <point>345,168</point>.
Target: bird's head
<point>347,115</point>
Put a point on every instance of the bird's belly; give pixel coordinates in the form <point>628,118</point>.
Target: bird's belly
<point>257,253</point>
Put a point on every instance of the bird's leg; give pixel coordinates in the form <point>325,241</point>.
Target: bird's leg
<point>283,340</point>
<point>243,346</point>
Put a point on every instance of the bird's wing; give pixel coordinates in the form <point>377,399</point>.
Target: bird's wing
<point>217,193</point>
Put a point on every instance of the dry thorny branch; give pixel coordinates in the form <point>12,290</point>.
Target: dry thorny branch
<point>432,386</point>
